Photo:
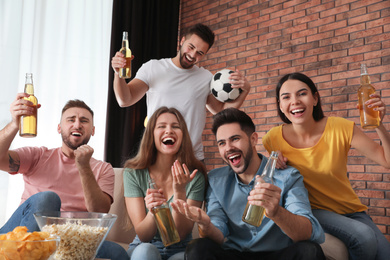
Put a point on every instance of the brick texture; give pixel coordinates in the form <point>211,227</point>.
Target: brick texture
<point>326,40</point>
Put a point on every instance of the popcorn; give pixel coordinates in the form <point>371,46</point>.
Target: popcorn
<point>78,241</point>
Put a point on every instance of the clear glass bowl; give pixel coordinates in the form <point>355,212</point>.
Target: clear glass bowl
<point>81,233</point>
<point>26,249</point>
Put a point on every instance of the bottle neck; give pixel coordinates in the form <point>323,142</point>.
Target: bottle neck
<point>365,79</point>
<point>29,88</point>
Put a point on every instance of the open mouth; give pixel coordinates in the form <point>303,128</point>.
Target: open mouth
<point>76,134</point>
<point>188,58</point>
<point>168,141</point>
<point>297,111</point>
<point>234,159</point>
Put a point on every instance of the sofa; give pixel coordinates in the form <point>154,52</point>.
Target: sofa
<point>123,233</point>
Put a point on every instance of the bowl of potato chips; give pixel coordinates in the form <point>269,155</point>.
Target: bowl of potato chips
<point>81,233</point>
<point>20,244</point>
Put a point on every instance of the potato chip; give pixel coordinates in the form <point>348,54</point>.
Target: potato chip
<point>22,245</point>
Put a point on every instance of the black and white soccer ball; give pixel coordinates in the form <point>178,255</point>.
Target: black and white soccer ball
<point>221,88</point>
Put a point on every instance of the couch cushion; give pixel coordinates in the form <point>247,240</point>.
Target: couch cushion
<point>119,232</point>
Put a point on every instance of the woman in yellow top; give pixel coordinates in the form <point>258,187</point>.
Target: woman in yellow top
<point>318,147</point>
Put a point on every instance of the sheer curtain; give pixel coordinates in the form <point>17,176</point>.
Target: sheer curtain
<point>66,45</point>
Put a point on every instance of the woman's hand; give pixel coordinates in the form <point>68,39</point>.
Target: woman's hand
<point>154,198</point>
<point>181,176</point>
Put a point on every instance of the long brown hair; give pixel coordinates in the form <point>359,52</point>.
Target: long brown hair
<point>147,153</point>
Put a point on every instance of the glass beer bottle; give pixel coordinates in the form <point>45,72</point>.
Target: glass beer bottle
<point>125,73</point>
<point>253,214</point>
<point>164,220</point>
<point>28,124</point>
<point>369,118</point>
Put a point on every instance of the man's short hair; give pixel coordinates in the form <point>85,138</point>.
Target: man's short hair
<point>76,103</point>
<point>233,115</point>
<point>203,31</point>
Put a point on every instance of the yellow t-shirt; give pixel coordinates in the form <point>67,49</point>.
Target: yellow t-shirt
<point>323,166</point>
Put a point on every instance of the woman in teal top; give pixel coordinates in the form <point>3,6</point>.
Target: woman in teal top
<point>165,155</point>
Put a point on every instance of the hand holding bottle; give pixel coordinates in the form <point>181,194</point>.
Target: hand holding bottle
<point>153,198</point>
<point>119,61</point>
<point>377,104</point>
<point>265,195</point>
<point>22,107</point>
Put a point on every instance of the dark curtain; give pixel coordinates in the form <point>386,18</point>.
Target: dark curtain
<point>152,26</point>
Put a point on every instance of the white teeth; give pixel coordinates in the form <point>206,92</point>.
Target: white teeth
<point>168,140</point>
<point>189,58</point>
<point>233,156</point>
<point>76,134</point>
<point>297,111</point>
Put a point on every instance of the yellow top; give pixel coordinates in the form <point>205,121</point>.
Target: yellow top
<point>323,166</point>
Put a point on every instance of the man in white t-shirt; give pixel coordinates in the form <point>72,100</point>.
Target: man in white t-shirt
<point>178,82</point>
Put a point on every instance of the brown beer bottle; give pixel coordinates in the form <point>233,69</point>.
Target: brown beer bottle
<point>253,214</point>
<point>28,124</point>
<point>125,73</point>
<point>369,118</point>
<point>164,221</point>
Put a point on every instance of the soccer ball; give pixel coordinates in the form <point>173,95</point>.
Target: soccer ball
<point>221,88</point>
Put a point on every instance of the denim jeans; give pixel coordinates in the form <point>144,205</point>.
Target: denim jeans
<point>155,250</point>
<point>358,232</point>
<point>23,216</point>
<point>205,248</point>
<point>113,251</point>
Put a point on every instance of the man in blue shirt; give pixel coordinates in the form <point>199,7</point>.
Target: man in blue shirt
<point>289,230</point>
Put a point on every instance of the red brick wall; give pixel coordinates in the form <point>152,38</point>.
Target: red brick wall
<point>326,40</point>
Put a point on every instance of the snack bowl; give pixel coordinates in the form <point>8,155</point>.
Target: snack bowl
<point>81,233</point>
<point>26,245</point>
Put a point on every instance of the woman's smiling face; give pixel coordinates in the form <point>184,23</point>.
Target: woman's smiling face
<point>296,101</point>
<point>168,135</point>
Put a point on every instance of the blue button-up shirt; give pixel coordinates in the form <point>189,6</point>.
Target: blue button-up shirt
<point>226,200</point>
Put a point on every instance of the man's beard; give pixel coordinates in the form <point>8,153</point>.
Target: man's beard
<point>247,158</point>
<point>68,143</point>
<point>184,62</point>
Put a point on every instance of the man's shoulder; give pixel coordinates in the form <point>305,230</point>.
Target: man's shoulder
<point>220,175</point>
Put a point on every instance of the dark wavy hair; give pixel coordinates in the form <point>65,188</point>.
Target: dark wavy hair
<point>203,31</point>
<point>233,115</point>
<point>318,114</point>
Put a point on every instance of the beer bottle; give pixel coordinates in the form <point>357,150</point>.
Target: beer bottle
<point>253,214</point>
<point>28,124</point>
<point>125,72</point>
<point>369,118</point>
<point>164,221</point>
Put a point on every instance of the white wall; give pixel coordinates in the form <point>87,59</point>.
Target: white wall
<point>66,45</point>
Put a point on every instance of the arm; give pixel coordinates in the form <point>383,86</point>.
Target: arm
<point>181,177</point>
<point>144,224</point>
<point>238,81</point>
<point>95,199</point>
<point>294,226</point>
<point>195,214</point>
<point>130,93</point>
<point>9,160</point>
<point>365,145</point>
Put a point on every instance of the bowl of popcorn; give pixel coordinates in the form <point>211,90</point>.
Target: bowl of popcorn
<point>20,244</point>
<point>81,233</point>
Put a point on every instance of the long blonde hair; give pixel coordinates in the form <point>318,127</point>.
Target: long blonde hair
<point>147,153</point>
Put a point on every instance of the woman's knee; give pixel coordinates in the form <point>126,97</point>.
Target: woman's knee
<point>144,251</point>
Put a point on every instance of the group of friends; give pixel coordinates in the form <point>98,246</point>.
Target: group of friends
<point>310,195</point>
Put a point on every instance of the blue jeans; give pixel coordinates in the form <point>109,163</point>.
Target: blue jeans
<point>113,251</point>
<point>359,233</point>
<point>155,250</point>
<point>23,216</point>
